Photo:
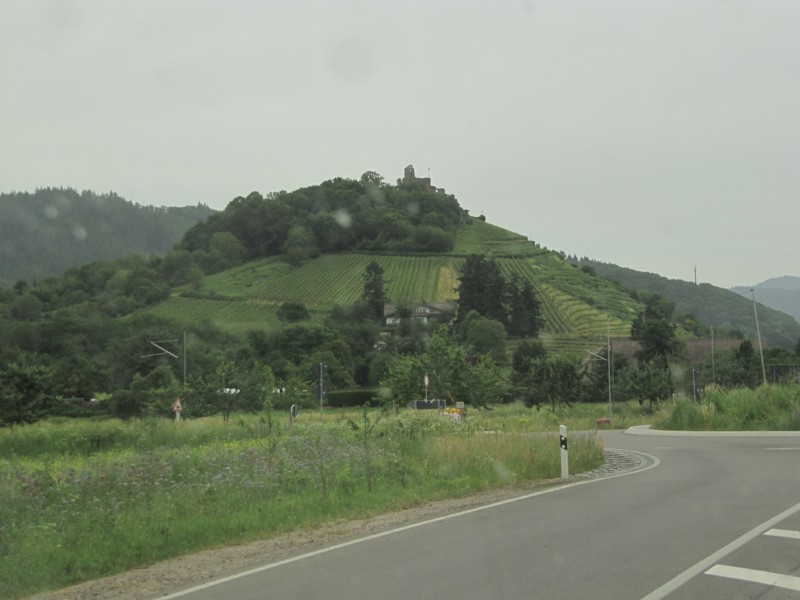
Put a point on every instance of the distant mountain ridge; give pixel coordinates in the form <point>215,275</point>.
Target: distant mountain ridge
<point>716,307</point>
<point>780,293</point>
<point>46,232</point>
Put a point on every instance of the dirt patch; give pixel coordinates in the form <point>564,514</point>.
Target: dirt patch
<point>187,571</point>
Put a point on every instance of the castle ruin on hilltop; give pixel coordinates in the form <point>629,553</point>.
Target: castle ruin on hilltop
<point>425,182</point>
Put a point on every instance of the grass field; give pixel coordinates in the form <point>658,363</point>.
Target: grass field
<point>83,499</point>
<point>80,499</point>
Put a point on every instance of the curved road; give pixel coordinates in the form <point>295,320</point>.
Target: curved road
<point>707,516</point>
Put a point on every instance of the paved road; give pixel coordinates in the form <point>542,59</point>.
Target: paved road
<point>698,519</point>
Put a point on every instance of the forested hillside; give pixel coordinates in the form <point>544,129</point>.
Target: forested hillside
<point>46,232</point>
<point>715,307</point>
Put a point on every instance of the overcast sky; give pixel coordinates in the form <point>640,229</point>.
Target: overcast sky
<point>655,134</point>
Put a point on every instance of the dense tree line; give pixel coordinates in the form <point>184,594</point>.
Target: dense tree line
<point>511,302</point>
<point>46,232</point>
<point>340,214</point>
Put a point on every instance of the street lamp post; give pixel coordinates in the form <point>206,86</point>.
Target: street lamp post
<point>608,363</point>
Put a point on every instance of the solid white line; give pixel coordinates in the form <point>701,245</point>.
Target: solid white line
<point>680,579</point>
<point>787,582</point>
<point>648,430</point>
<point>374,536</point>
<point>786,533</point>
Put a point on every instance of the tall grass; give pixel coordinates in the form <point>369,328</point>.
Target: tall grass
<point>767,408</point>
<point>578,417</point>
<point>79,500</point>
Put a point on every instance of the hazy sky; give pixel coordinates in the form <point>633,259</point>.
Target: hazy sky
<point>655,134</point>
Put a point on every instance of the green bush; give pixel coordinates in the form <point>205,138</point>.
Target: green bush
<point>766,408</point>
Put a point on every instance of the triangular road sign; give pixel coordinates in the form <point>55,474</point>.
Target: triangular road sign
<point>177,407</point>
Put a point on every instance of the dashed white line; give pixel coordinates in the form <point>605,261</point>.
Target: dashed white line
<point>700,567</point>
<point>788,582</point>
<point>786,533</point>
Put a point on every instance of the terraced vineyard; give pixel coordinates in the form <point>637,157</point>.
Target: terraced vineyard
<point>467,241</point>
<point>577,306</point>
<point>564,313</point>
<point>337,279</point>
<point>497,241</point>
<point>479,237</point>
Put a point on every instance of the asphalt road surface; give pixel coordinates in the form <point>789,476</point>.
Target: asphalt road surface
<point>705,516</point>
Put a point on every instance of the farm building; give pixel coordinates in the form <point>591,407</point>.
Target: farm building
<point>423,312</point>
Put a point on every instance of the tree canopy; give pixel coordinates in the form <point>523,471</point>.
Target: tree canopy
<point>339,214</point>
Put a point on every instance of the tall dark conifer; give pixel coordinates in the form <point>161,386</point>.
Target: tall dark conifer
<point>483,289</point>
<point>524,309</point>
<point>374,292</point>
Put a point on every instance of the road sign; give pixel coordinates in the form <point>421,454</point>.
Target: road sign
<point>177,407</point>
<point>426,380</point>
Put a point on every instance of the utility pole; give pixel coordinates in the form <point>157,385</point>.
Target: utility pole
<point>758,332</point>
<point>713,372</point>
<point>320,369</point>
<point>184,361</point>
<point>608,364</point>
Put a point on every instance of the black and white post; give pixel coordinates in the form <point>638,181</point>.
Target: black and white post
<point>564,454</point>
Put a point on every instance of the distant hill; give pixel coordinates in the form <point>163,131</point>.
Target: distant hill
<point>584,301</point>
<point>780,293</point>
<point>46,232</point>
<point>716,307</point>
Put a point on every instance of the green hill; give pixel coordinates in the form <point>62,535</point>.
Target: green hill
<point>224,284</point>
<point>44,233</point>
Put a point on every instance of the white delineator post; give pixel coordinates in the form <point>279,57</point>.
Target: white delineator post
<point>564,454</point>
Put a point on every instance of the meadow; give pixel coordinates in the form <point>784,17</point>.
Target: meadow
<point>81,499</point>
<point>766,408</point>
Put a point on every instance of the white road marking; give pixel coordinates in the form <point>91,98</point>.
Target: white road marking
<point>788,582</point>
<point>786,533</point>
<point>680,579</point>
<point>781,448</point>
